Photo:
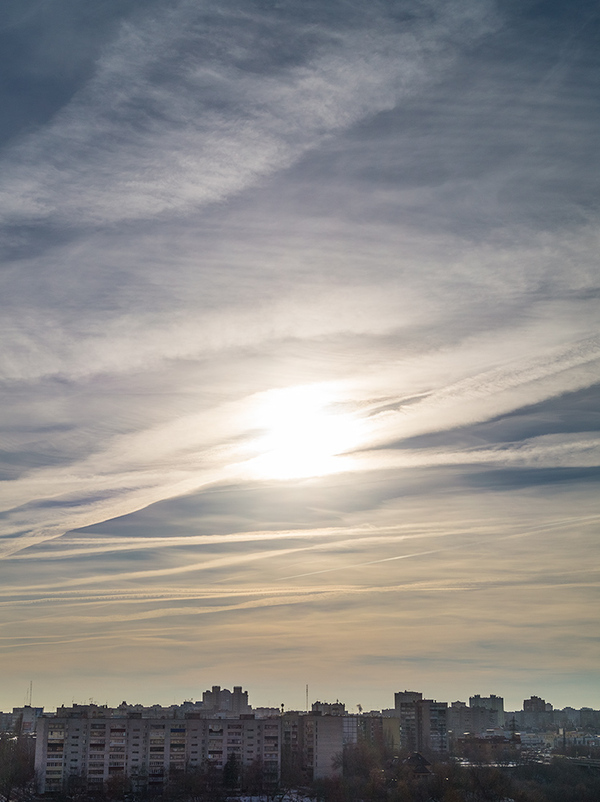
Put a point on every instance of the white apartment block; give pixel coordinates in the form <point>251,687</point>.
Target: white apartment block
<point>96,749</point>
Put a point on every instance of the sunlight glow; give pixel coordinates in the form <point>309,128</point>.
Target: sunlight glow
<point>304,434</point>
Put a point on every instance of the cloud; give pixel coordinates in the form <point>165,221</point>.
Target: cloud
<point>129,135</point>
<point>186,454</point>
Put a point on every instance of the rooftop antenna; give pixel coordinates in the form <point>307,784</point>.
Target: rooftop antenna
<point>30,691</point>
<point>307,697</point>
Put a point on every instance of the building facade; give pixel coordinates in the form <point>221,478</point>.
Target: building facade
<point>93,750</point>
<point>492,702</point>
<point>312,745</point>
<point>423,722</point>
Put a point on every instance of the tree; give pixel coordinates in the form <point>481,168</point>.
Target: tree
<point>254,777</point>
<point>17,770</point>
<point>118,788</point>
<point>231,772</point>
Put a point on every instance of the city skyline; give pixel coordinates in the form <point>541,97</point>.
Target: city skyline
<point>300,360</point>
<point>203,700</point>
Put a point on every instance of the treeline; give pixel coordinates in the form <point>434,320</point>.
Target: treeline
<point>17,756</point>
<point>560,781</point>
<point>365,779</point>
<point>205,783</point>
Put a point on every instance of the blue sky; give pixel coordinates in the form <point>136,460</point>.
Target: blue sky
<point>300,361</point>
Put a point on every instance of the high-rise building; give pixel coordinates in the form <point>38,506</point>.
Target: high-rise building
<point>221,700</point>
<point>474,720</point>
<point>432,727</point>
<point>404,704</point>
<point>534,705</point>
<point>492,702</point>
<point>312,745</point>
<point>537,713</point>
<point>423,722</point>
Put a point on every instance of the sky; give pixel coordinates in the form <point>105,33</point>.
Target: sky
<point>300,353</point>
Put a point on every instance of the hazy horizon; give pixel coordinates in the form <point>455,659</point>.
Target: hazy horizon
<point>267,701</point>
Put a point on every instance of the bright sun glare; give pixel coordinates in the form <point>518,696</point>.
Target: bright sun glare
<point>303,434</point>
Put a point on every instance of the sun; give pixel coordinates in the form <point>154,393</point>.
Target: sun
<point>304,433</point>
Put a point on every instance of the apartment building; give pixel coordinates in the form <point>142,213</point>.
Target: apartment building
<point>423,722</point>
<point>493,702</point>
<point>312,745</point>
<point>147,750</point>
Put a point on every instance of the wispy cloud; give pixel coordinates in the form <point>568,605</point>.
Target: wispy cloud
<point>128,134</point>
<point>184,455</point>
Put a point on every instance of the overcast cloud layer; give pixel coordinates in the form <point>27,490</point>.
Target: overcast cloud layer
<point>392,206</point>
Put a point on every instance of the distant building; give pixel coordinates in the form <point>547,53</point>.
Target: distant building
<point>493,748</point>
<point>405,706</point>
<point>336,708</point>
<point>463,720</point>
<point>589,719</point>
<point>392,733</point>
<point>350,729</point>
<point>423,722</point>
<point>493,702</point>
<point>265,712</point>
<point>432,728</point>
<point>221,700</point>
<point>537,713</point>
<point>21,721</point>
<point>534,705</point>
